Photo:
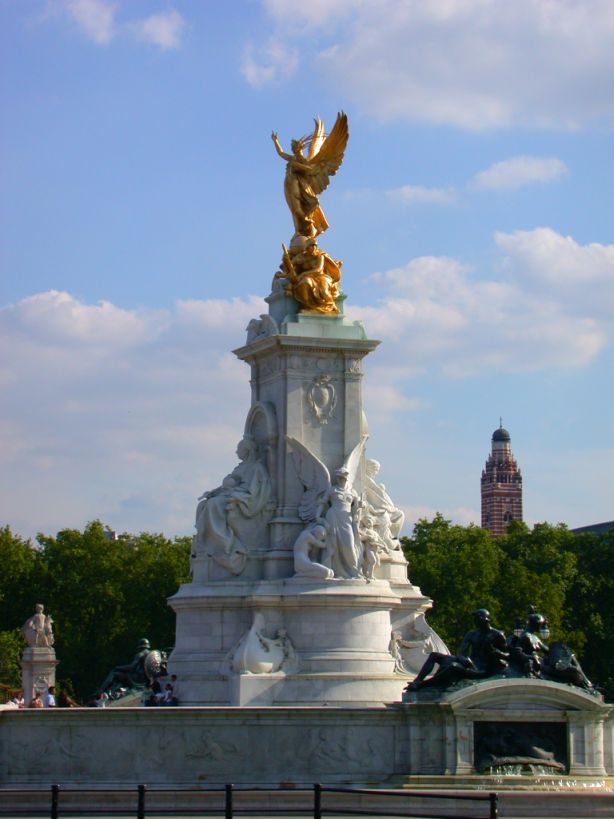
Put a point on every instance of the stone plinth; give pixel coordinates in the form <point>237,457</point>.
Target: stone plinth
<point>37,670</point>
<point>420,745</point>
<point>442,725</point>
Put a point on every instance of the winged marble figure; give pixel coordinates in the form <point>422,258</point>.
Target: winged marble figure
<point>308,176</point>
<point>334,503</point>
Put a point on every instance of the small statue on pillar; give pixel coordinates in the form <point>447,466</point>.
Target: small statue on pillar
<point>38,629</point>
<point>38,662</point>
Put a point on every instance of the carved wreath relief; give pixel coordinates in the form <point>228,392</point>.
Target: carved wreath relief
<point>322,398</point>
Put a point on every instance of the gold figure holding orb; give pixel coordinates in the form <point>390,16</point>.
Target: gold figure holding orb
<point>312,275</point>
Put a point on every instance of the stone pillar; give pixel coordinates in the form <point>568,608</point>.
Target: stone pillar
<point>37,670</point>
<point>586,757</point>
<point>310,375</point>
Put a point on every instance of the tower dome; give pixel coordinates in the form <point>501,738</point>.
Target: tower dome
<point>501,434</point>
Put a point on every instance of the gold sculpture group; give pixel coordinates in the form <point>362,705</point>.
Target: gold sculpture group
<point>311,275</point>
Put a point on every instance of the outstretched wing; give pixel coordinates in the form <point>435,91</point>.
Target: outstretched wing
<point>353,459</point>
<point>314,476</point>
<point>317,138</point>
<point>326,162</point>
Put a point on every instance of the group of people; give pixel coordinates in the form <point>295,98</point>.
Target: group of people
<point>485,652</point>
<point>160,696</point>
<point>44,700</point>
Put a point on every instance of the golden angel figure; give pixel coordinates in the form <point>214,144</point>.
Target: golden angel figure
<point>307,176</point>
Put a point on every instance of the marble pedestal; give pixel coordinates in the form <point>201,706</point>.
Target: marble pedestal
<point>306,386</point>
<point>37,670</point>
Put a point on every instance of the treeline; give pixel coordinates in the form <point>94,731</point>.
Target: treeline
<point>568,577</point>
<point>103,595</point>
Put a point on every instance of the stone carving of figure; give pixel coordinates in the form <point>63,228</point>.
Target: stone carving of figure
<point>257,654</point>
<point>388,519</point>
<point>308,176</point>
<point>372,545</point>
<point>340,507</point>
<point>38,629</point>
<point>482,653</point>
<point>395,646</point>
<point>309,543</point>
<point>334,504</point>
<point>243,495</point>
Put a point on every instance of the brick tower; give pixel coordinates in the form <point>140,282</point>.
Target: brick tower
<point>501,485</point>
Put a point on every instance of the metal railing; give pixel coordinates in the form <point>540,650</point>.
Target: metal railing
<point>230,809</point>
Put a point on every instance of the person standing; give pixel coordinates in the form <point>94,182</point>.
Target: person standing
<point>49,698</point>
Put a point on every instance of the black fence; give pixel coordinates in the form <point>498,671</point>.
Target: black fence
<point>485,807</point>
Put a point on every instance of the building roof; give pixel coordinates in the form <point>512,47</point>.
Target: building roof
<point>594,528</point>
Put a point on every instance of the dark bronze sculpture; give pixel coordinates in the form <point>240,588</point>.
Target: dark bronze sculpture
<point>485,652</point>
<point>534,658</point>
<point>482,653</point>
<point>144,668</point>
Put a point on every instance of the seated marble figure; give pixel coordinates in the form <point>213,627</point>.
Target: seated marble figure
<point>243,496</point>
<point>483,653</point>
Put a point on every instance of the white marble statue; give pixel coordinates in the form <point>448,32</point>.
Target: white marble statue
<point>38,629</point>
<point>257,654</point>
<point>372,546</point>
<point>333,503</point>
<point>396,644</point>
<point>244,494</point>
<point>388,519</point>
<point>311,541</point>
<point>424,640</point>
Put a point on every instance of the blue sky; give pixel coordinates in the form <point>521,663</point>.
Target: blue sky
<point>143,216</point>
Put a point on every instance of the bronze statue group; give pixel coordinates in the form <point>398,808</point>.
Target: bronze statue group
<point>485,652</point>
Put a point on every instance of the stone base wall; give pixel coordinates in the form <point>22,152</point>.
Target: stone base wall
<point>387,746</point>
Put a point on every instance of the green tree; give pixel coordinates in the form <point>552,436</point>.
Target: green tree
<point>103,594</point>
<point>538,568</point>
<point>590,606</point>
<point>11,648</point>
<point>22,570</point>
<point>458,566</point>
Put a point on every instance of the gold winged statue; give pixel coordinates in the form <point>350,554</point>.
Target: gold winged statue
<point>307,176</point>
<point>311,275</point>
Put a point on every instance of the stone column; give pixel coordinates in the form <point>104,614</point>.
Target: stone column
<point>37,670</point>
<point>586,757</point>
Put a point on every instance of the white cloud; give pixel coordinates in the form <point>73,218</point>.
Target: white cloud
<point>269,64</point>
<point>415,194</point>
<point>164,29</point>
<point>582,276</point>
<point>312,15</point>
<point>97,20</point>
<point>461,324</point>
<point>120,414</point>
<point>471,63</point>
<point>127,415</point>
<point>518,171</point>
